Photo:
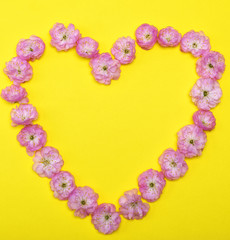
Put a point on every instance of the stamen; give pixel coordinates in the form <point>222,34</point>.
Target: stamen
<point>210,65</point>
<point>194,45</point>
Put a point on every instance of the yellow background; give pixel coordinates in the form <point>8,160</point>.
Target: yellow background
<point>108,135</point>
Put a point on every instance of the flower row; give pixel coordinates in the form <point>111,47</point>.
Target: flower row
<point>104,67</point>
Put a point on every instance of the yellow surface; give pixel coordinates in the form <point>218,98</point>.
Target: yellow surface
<point>108,135</point>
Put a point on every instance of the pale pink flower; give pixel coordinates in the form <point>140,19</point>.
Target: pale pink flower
<point>15,93</point>
<point>196,43</point>
<point>206,93</point>
<point>146,36</point>
<point>172,164</point>
<point>151,184</point>
<point>124,50</point>
<point>30,49</point>
<point>87,47</point>
<point>204,119</point>
<point>105,218</point>
<point>104,68</point>
<point>64,38</point>
<point>132,206</point>
<point>191,140</point>
<point>83,200</point>
<point>25,114</point>
<point>169,37</point>
<point>18,70</point>
<point>62,184</point>
<point>47,162</point>
<point>211,65</point>
<point>33,137</point>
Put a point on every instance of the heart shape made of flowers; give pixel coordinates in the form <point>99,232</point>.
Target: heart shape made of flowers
<point>206,94</point>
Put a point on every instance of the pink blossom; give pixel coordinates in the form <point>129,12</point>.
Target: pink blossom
<point>18,70</point>
<point>204,119</point>
<point>15,93</point>
<point>105,218</point>
<point>62,184</point>
<point>33,137</point>
<point>196,43</point>
<point>30,49</point>
<point>25,114</point>
<point>104,68</point>
<point>172,164</point>
<point>87,47</point>
<point>151,184</point>
<point>211,65</point>
<point>47,162</point>
<point>206,93</point>
<point>169,37</point>
<point>64,38</point>
<point>191,141</point>
<point>146,36</point>
<point>132,206</point>
<point>83,200</point>
<point>124,50</point>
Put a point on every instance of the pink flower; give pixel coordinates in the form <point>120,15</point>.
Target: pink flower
<point>62,184</point>
<point>30,49</point>
<point>18,70</point>
<point>191,141</point>
<point>15,93</point>
<point>151,184</point>
<point>124,50</point>
<point>25,114</point>
<point>146,36</point>
<point>211,65</point>
<point>132,206</point>
<point>87,47</point>
<point>47,162</point>
<point>206,93</point>
<point>33,137</point>
<point>83,200</point>
<point>196,43</point>
<point>172,164</point>
<point>105,218</point>
<point>64,38</point>
<point>169,37</point>
<point>204,119</point>
<point>104,68</point>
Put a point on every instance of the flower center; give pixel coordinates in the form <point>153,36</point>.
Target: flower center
<point>126,51</point>
<point>107,217</point>
<point>147,36</point>
<point>31,137</point>
<point>205,93</point>
<point>63,185</point>
<point>105,68</point>
<point>46,162</point>
<point>83,202</point>
<point>19,71</point>
<point>191,141</point>
<point>194,45</point>
<point>210,65</point>
<point>173,164</point>
<point>64,37</point>
<point>168,39</point>
<point>151,185</point>
<point>133,204</point>
<point>31,49</point>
